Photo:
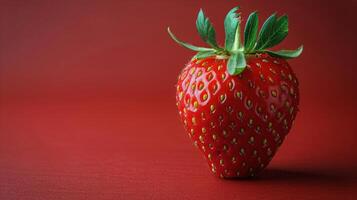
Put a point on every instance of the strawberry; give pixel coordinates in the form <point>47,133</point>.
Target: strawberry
<point>238,102</point>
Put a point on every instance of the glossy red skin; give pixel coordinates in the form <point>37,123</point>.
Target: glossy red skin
<point>238,138</point>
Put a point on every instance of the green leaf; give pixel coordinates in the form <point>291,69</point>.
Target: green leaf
<point>265,31</point>
<point>230,26</point>
<point>189,46</point>
<point>273,33</point>
<point>287,53</point>
<point>236,63</point>
<point>205,54</point>
<point>236,44</point>
<point>250,32</point>
<point>280,31</point>
<point>206,30</point>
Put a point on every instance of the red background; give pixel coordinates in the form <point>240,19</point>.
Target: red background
<point>87,107</point>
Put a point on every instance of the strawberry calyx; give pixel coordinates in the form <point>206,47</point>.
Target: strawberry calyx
<point>273,31</point>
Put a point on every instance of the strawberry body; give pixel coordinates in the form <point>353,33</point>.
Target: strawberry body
<point>237,122</point>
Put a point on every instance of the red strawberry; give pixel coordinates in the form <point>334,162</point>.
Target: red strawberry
<point>238,103</point>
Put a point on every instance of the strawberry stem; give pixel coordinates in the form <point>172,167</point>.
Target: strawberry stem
<point>273,31</point>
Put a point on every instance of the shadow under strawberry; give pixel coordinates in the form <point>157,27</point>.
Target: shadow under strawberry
<point>275,175</point>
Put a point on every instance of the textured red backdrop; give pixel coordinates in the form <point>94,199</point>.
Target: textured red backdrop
<point>87,107</point>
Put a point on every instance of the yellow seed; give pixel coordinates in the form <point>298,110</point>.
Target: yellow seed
<point>224,133</point>
<point>199,73</point>
<point>242,151</point>
<point>221,162</point>
<point>224,147</point>
<point>239,95</point>
<point>265,117</point>
<point>192,131</point>
<point>195,104</point>
<point>265,141</point>
<point>200,86</point>
<point>212,108</point>
<point>215,87</point>
<point>290,77</point>
<point>259,109</point>
<point>203,130</point>
<point>251,84</point>
<point>203,116</point>
<point>231,85</point>
<point>261,77</point>
<point>194,120</point>
<point>257,129</point>
<point>287,104</point>
<point>255,152</point>
<point>195,144</point>
<point>188,101</point>
<point>205,96</point>
<point>274,93</point>
<point>295,81</point>
<point>272,107</point>
<point>180,95</point>
<point>272,70</point>
<point>209,69</point>
<point>214,136</point>
<point>242,130</point>
<point>229,109</point>
<point>186,84</point>
<point>220,67</point>
<point>240,114</point>
<point>249,103</point>
<point>201,139</point>
<point>192,71</point>
<point>291,110</point>
<point>233,125</point>
<point>223,98</point>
